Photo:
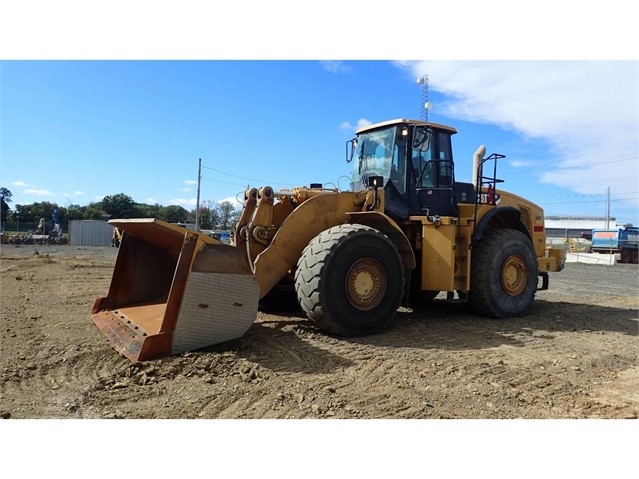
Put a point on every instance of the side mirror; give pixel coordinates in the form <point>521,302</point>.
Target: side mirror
<point>350,151</point>
<point>421,138</point>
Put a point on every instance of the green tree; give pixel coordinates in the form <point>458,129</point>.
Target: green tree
<point>229,216</point>
<point>215,217</point>
<point>35,211</point>
<point>205,215</point>
<point>94,211</point>
<point>5,199</point>
<point>118,206</point>
<point>173,214</point>
<point>24,212</point>
<point>73,212</point>
<point>148,211</point>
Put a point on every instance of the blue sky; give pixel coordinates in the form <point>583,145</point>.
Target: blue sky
<point>74,131</point>
<point>103,98</point>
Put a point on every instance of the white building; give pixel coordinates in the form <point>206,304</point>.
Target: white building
<point>576,226</point>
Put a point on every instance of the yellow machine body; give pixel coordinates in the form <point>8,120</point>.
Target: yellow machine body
<point>175,290</point>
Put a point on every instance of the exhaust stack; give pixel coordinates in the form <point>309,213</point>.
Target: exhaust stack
<point>477,157</point>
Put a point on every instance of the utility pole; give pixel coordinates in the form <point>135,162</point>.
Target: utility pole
<point>608,207</point>
<point>197,201</point>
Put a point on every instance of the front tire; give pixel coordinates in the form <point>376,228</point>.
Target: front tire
<point>503,274</point>
<point>349,280</point>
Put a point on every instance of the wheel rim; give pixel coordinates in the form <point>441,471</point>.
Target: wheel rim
<point>365,284</point>
<point>514,275</point>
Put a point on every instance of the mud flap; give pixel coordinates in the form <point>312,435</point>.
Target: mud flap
<point>174,290</point>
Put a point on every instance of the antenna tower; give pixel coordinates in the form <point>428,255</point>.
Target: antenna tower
<point>426,105</point>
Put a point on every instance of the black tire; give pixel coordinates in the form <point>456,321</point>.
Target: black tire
<point>281,298</point>
<point>625,256</point>
<point>635,256</point>
<point>350,280</point>
<point>503,274</point>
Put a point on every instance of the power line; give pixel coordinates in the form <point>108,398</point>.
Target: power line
<point>262,182</point>
<point>590,201</point>
<point>569,167</point>
<point>220,181</point>
<point>583,194</point>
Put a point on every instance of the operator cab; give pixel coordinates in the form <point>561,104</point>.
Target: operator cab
<point>415,159</point>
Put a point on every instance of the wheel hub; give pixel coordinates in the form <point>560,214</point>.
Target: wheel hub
<point>365,284</point>
<point>513,275</point>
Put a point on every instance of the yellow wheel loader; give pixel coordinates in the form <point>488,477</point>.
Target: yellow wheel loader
<point>404,232</point>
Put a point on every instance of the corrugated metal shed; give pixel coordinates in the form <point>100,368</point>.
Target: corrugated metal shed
<point>90,233</point>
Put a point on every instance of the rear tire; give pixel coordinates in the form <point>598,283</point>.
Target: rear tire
<point>625,256</point>
<point>503,274</point>
<point>349,280</point>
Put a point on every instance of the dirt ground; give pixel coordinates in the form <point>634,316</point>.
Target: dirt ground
<point>574,356</point>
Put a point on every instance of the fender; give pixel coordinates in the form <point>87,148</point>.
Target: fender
<point>386,225</point>
<point>309,219</point>
<point>504,216</point>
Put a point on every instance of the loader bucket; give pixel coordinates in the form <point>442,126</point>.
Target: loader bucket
<point>174,290</point>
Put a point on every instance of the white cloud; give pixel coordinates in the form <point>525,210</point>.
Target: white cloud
<point>190,182</point>
<point>186,190</point>
<point>183,202</point>
<point>335,66</point>
<point>75,193</point>
<point>150,200</point>
<point>21,184</point>
<point>586,111</point>
<point>362,122</point>
<point>234,201</point>
<point>519,163</point>
<point>38,192</point>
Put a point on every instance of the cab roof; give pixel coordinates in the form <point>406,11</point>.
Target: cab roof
<point>400,121</point>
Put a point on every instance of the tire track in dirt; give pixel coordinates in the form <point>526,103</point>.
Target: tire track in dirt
<point>360,383</point>
<point>285,349</point>
<point>621,393</point>
<point>67,374</point>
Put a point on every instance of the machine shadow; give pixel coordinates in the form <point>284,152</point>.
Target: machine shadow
<point>441,325</point>
<point>281,346</point>
<point>286,343</point>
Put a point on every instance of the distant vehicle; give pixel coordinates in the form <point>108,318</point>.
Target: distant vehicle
<point>624,241</point>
